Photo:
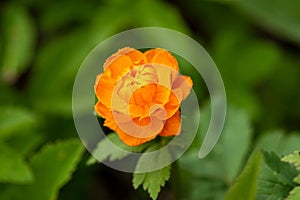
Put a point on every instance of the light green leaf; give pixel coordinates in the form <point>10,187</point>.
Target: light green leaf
<point>13,168</point>
<point>297,179</point>
<point>112,148</point>
<point>19,39</point>
<point>224,162</point>
<point>293,159</point>
<point>279,142</point>
<point>53,167</point>
<point>152,181</point>
<point>246,184</point>
<point>15,120</point>
<point>294,194</point>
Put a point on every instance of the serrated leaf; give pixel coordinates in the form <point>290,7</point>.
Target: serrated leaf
<point>294,194</point>
<point>15,119</point>
<point>152,181</point>
<point>246,183</point>
<point>283,171</point>
<point>276,178</point>
<point>18,46</point>
<point>13,168</point>
<point>53,167</point>
<point>293,159</point>
<point>112,148</point>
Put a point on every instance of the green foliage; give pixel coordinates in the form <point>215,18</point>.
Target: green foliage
<point>246,184</point>
<point>284,23</point>
<point>293,159</point>
<point>224,163</point>
<point>276,178</point>
<point>294,194</point>
<point>59,160</point>
<point>152,181</point>
<point>255,45</point>
<point>18,43</point>
<point>13,168</point>
<point>14,120</point>
<point>112,148</point>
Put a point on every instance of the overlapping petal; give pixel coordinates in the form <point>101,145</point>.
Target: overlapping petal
<point>139,94</point>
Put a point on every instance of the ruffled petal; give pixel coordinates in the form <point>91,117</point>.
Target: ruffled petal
<point>172,126</point>
<point>161,56</point>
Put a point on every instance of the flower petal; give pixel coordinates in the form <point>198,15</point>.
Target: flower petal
<point>161,56</point>
<point>172,126</point>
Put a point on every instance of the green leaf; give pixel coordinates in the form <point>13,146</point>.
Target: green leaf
<point>24,143</point>
<point>152,181</point>
<point>276,178</point>
<point>293,159</point>
<point>112,148</point>
<point>297,179</point>
<point>279,142</point>
<point>265,13</point>
<point>14,120</point>
<point>19,41</point>
<point>224,162</point>
<point>283,171</point>
<point>294,194</point>
<point>246,184</point>
<point>53,167</point>
<point>13,167</point>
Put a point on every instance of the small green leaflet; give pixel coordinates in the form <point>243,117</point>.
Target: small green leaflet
<point>293,159</point>
<point>294,194</point>
<point>152,181</point>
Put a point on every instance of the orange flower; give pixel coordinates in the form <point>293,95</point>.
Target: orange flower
<point>139,94</point>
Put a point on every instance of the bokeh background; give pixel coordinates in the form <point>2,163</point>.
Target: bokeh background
<point>255,44</point>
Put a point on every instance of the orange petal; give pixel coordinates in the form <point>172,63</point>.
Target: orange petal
<point>161,56</point>
<point>102,110</point>
<point>119,53</point>
<point>172,106</point>
<point>119,67</point>
<point>161,95</point>
<point>132,141</point>
<point>137,57</point>
<point>103,88</point>
<point>172,126</point>
<point>182,86</point>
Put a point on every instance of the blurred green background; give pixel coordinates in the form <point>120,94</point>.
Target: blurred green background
<point>255,44</point>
